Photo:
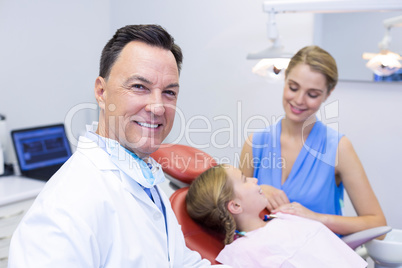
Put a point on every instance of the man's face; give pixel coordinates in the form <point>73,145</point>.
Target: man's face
<point>138,99</point>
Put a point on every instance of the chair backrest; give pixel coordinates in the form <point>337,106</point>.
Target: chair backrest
<point>205,242</point>
<point>183,162</point>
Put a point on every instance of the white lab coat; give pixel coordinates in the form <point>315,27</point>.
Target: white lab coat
<point>90,214</point>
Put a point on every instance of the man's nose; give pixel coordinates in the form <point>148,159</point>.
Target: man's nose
<point>156,105</point>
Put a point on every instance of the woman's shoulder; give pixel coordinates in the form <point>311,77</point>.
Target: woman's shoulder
<point>330,132</point>
<point>262,136</point>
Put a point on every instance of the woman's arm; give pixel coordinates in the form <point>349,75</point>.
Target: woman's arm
<point>354,178</point>
<point>276,197</point>
<point>350,170</point>
<point>246,158</point>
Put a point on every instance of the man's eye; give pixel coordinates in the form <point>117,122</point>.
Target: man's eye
<point>170,92</point>
<point>138,86</point>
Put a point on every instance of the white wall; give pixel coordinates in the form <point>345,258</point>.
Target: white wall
<point>48,77</point>
<point>49,54</point>
<point>369,116</point>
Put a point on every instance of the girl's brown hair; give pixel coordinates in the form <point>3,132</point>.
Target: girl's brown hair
<point>207,201</point>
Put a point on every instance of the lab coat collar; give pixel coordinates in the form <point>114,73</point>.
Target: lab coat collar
<point>136,190</point>
<point>148,174</point>
<point>101,161</point>
<point>98,156</point>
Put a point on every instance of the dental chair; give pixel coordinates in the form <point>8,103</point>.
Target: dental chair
<point>205,242</point>
<point>182,164</point>
<point>209,244</point>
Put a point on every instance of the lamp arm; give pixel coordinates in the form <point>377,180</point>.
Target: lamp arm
<point>388,24</point>
<point>272,29</point>
<point>393,22</point>
<point>386,40</point>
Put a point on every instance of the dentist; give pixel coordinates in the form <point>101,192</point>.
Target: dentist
<point>103,208</point>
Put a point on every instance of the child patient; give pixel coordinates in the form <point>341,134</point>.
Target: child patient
<point>224,200</point>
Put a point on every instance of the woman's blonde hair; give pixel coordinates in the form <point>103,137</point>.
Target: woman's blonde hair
<point>207,202</point>
<point>319,60</point>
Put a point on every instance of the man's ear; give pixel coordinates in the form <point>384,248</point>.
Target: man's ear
<point>234,207</point>
<point>100,92</point>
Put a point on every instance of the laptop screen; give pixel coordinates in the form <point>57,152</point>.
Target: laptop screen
<point>41,147</point>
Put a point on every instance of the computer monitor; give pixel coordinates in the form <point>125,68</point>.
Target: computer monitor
<point>41,151</point>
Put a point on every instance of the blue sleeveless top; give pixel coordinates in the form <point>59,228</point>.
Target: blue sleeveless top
<point>311,181</point>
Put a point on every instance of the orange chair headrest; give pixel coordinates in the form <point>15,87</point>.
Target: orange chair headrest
<point>183,162</point>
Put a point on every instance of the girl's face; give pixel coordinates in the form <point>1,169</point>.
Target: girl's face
<point>304,92</point>
<point>248,193</point>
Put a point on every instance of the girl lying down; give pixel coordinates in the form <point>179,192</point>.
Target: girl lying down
<point>223,199</point>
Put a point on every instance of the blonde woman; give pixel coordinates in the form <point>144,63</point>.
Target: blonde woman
<point>312,163</point>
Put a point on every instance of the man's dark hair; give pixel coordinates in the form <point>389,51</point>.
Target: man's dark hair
<point>153,35</point>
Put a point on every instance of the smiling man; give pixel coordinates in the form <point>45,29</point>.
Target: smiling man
<point>138,97</point>
<point>103,208</point>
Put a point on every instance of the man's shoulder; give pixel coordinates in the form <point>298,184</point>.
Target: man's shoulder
<point>78,182</point>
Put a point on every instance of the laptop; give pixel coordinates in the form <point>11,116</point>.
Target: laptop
<point>41,151</point>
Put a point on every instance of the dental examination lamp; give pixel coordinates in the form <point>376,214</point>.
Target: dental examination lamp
<point>274,59</point>
<point>386,62</point>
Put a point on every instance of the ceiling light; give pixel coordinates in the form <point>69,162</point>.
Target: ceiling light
<point>385,62</point>
<point>273,60</point>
